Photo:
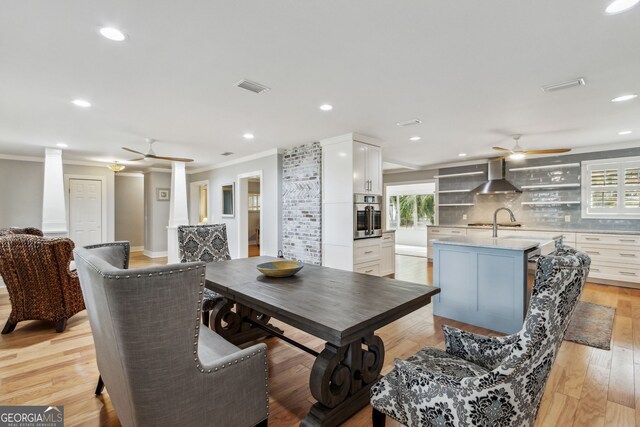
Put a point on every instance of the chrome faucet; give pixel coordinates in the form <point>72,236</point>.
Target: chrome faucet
<point>495,219</point>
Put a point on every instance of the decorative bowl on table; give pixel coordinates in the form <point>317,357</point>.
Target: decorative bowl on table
<point>284,268</point>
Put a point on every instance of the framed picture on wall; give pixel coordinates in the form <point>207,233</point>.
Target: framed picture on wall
<point>227,201</point>
<point>163,194</point>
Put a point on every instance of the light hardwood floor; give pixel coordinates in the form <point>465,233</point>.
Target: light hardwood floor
<point>587,386</point>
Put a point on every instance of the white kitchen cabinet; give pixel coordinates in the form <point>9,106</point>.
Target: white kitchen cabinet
<point>374,169</point>
<point>375,256</point>
<point>351,164</point>
<point>614,258</point>
<point>367,169</point>
<point>387,254</point>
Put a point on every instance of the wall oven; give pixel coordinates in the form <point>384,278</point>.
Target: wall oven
<point>367,216</point>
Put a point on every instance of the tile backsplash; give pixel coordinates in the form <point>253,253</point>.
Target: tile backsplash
<point>542,216</point>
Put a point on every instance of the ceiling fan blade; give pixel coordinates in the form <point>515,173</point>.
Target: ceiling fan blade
<point>136,160</point>
<point>172,159</point>
<point>132,151</point>
<point>552,151</point>
<point>501,149</point>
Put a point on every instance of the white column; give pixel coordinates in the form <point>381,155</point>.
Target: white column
<point>54,214</point>
<point>178,212</point>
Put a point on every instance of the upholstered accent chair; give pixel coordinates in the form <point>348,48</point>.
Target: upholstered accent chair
<point>482,380</point>
<point>159,365</point>
<point>40,285</point>
<point>206,243</point>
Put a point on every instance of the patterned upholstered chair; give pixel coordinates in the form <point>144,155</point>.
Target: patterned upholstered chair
<point>482,380</point>
<point>160,367</point>
<point>40,284</point>
<point>206,243</point>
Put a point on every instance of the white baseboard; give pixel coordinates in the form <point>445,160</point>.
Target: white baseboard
<point>151,254</point>
<point>137,248</point>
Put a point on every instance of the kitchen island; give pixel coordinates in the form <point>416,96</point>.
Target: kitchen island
<point>483,280</point>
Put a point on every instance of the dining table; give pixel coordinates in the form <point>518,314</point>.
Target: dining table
<point>343,308</point>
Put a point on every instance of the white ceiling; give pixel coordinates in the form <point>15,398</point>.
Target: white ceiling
<point>471,70</point>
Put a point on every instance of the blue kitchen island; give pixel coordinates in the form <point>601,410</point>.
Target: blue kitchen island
<point>483,281</point>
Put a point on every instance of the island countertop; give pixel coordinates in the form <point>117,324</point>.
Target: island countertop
<point>512,244</point>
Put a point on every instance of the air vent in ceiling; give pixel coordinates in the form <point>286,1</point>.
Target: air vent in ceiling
<point>226,153</point>
<point>410,122</point>
<point>252,86</point>
<point>564,85</point>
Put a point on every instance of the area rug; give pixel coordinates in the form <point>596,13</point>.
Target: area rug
<point>591,324</point>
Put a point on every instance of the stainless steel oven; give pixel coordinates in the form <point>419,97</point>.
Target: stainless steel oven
<point>367,216</point>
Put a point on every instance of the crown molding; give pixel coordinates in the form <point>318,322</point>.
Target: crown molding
<point>41,160</point>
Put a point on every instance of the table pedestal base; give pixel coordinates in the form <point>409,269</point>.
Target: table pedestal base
<point>341,378</point>
<point>235,325</point>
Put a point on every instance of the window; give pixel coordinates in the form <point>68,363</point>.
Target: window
<point>611,188</point>
<point>411,206</point>
<point>254,202</point>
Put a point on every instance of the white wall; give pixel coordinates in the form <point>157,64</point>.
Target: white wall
<point>22,186</point>
<point>129,209</point>
<point>156,214</point>
<point>271,200</point>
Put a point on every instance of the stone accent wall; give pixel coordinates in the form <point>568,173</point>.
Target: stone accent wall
<point>302,203</point>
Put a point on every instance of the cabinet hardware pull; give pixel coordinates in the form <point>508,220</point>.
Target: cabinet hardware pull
<point>628,255</point>
<point>595,269</point>
<point>368,271</point>
<point>627,240</point>
<point>627,273</point>
<point>592,238</point>
<point>593,252</point>
<point>368,252</point>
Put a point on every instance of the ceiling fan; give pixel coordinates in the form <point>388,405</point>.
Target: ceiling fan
<point>518,153</point>
<point>152,155</point>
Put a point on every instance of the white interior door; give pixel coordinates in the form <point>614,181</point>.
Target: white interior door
<point>85,211</point>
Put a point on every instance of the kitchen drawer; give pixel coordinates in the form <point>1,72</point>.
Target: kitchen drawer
<point>611,272</point>
<point>366,250</point>
<point>611,253</point>
<point>387,239</point>
<point>443,231</point>
<point>609,239</point>
<point>372,268</point>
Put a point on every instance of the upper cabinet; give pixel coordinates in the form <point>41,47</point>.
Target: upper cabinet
<point>367,169</point>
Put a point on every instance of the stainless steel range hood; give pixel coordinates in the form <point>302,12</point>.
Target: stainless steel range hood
<point>496,184</point>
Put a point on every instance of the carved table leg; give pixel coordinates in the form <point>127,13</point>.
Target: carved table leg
<point>341,378</point>
<point>230,320</point>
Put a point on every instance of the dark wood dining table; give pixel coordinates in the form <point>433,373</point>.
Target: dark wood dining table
<point>341,307</point>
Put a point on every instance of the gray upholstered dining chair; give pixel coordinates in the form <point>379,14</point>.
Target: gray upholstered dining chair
<point>206,243</point>
<point>159,366</point>
<point>482,380</point>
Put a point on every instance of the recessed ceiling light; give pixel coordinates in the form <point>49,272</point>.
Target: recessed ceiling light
<point>112,34</point>
<point>326,107</point>
<point>248,136</point>
<point>81,103</point>
<point>623,98</point>
<point>624,132</point>
<point>62,145</point>
<point>618,6</point>
<point>462,154</point>
<point>415,138</point>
